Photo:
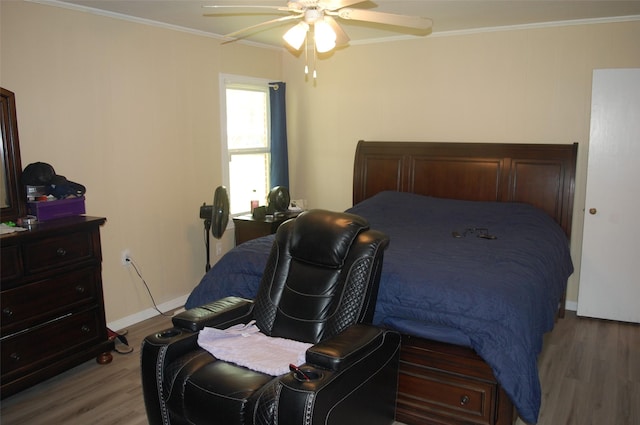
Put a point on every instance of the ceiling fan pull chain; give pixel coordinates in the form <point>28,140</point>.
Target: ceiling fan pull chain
<point>315,62</point>
<point>306,57</point>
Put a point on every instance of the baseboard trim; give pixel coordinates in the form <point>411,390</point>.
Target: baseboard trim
<point>147,314</point>
<point>571,305</point>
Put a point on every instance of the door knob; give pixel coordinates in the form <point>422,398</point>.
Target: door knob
<point>593,211</point>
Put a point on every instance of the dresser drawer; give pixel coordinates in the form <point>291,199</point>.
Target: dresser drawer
<point>10,263</point>
<point>39,345</point>
<point>57,251</point>
<point>446,394</point>
<point>26,305</point>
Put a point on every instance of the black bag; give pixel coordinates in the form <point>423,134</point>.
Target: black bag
<point>43,174</point>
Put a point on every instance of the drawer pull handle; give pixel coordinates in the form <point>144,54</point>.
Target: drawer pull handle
<point>61,252</point>
<point>7,312</point>
<point>464,400</point>
<point>86,329</point>
<point>80,289</point>
<point>15,357</point>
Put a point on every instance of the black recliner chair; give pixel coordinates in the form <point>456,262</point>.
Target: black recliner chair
<point>319,286</point>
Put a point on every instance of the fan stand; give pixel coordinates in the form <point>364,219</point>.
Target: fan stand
<point>207,228</point>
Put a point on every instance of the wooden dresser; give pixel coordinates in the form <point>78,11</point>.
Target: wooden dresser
<point>52,303</point>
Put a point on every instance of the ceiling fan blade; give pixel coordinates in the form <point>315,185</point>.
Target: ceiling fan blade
<point>341,37</point>
<point>416,22</point>
<point>230,6</point>
<point>337,4</point>
<point>262,24</point>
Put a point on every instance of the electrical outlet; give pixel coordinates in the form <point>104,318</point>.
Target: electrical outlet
<point>125,256</point>
<point>218,249</point>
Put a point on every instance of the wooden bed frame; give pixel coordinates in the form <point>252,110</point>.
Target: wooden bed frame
<point>442,383</point>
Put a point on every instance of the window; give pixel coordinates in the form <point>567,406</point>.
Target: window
<point>246,141</point>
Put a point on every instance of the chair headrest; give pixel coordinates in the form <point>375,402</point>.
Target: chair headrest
<point>322,228</point>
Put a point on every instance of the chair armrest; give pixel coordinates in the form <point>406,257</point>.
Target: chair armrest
<point>367,358</point>
<point>223,312</point>
<point>342,350</point>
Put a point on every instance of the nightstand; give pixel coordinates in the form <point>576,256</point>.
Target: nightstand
<point>248,228</point>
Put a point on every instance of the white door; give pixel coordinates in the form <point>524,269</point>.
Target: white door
<point>609,278</point>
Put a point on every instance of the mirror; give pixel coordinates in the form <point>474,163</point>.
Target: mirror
<point>12,193</point>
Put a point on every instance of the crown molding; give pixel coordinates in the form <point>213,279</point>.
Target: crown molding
<point>452,33</point>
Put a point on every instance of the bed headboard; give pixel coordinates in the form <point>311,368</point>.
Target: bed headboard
<point>542,175</point>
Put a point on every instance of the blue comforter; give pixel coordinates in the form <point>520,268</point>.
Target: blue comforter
<point>498,296</point>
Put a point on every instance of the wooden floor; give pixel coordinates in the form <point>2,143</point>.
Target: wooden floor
<point>590,373</point>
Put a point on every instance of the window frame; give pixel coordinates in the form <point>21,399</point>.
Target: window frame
<point>238,81</point>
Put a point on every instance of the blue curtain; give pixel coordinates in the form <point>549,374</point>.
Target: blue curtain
<point>279,153</point>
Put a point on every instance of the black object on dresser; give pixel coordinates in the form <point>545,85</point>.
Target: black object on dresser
<point>248,227</point>
<point>52,303</point>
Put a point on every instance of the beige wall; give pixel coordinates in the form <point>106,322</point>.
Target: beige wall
<point>132,112</point>
<point>523,86</point>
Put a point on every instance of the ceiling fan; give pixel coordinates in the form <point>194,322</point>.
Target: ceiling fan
<point>320,15</point>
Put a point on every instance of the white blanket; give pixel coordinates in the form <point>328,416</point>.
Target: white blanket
<point>245,346</point>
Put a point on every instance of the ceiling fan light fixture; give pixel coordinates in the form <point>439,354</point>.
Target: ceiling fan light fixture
<point>322,16</point>
<point>324,36</point>
<point>296,35</point>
